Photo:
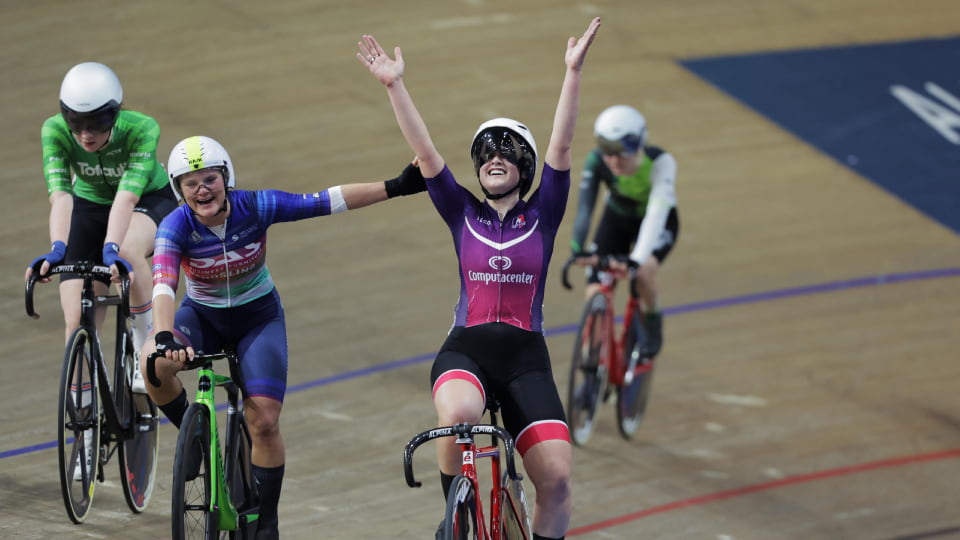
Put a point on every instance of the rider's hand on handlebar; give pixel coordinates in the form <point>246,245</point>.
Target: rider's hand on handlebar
<point>585,259</point>
<point>57,251</point>
<point>111,257</point>
<point>619,268</point>
<point>169,348</point>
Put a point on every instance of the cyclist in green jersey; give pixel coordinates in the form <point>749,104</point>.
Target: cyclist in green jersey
<point>640,215</point>
<point>107,191</point>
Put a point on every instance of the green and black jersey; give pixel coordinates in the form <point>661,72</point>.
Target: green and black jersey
<point>128,162</point>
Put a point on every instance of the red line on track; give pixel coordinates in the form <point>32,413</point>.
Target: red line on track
<point>783,482</point>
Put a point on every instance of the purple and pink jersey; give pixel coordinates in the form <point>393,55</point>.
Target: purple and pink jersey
<point>503,264</point>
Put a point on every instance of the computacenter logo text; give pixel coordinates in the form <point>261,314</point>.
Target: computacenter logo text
<point>488,277</point>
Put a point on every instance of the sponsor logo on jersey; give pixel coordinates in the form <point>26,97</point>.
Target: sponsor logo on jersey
<point>235,262</point>
<point>519,222</point>
<point>491,277</point>
<point>86,169</point>
<point>500,262</point>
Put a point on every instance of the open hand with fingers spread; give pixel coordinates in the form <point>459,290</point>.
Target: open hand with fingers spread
<point>385,69</point>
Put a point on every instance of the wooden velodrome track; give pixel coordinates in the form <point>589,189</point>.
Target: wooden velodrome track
<point>832,414</point>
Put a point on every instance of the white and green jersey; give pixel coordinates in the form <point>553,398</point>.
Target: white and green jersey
<point>649,194</point>
<point>128,162</point>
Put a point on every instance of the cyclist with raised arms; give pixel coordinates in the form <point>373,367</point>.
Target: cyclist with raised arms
<point>107,191</point>
<point>496,348</point>
<point>218,238</point>
<point>640,213</point>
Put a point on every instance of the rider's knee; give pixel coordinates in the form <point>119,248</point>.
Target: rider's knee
<point>554,485</point>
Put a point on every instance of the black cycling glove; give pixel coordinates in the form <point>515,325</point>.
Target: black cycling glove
<point>165,342</point>
<point>409,182</point>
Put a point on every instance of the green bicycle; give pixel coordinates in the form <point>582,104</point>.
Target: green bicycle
<point>214,492</point>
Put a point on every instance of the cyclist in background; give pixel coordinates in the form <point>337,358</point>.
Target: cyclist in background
<point>218,238</point>
<point>640,210</point>
<point>496,348</point>
<point>107,192</point>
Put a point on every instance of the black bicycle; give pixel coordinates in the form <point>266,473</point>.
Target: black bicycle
<point>99,416</point>
<point>214,492</point>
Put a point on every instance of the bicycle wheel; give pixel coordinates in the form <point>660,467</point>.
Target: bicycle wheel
<point>588,375</point>
<point>78,438</point>
<point>632,397</point>
<point>460,518</point>
<point>240,481</point>
<point>192,484</point>
<point>515,514</point>
<point>138,454</point>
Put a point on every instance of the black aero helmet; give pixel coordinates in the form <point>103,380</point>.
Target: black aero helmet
<point>90,97</point>
<point>513,141</point>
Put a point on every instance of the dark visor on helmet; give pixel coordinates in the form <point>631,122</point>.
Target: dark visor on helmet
<point>497,140</point>
<point>97,121</point>
<point>628,144</point>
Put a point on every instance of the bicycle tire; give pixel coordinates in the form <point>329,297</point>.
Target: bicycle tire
<point>191,514</point>
<point>79,425</point>
<point>515,514</point>
<point>588,375</point>
<point>241,483</point>
<point>138,454</point>
<point>460,517</point>
<point>632,397</point>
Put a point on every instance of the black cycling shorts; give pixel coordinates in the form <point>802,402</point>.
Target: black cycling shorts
<point>88,224</point>
<point>513,368</point>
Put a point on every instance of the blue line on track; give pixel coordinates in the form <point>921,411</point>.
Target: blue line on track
<point>832,286</point>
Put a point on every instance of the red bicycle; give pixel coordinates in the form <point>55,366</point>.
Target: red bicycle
<point>464,516</point>
<point>604,360</point>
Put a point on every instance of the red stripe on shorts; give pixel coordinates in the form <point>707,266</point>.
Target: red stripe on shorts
<point>462,375</point>
<point>544,430</point>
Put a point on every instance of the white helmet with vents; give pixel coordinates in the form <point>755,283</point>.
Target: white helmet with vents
<point>196,153</point>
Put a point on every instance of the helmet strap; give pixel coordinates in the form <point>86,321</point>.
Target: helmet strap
<point>497,196</point>
<point>226,200</point>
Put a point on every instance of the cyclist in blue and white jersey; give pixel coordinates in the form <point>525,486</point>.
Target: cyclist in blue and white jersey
<point>218,238</point>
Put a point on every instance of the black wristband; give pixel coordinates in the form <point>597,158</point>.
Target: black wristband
<point>409,182</point>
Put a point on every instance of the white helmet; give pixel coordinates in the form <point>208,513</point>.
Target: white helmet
<point>195,153</point>
<point>514,142</point>
<point>90,97</point>
<point>620,129</point>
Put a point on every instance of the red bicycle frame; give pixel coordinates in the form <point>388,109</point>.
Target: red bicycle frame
<point>471,452</point>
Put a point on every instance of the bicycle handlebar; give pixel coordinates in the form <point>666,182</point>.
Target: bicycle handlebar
<point>85,269</point>
<point>198,360</point>
<point>459,430</point>
<point>602,263</point>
